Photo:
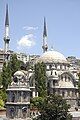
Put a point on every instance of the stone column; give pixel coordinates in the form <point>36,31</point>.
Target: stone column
<point>77,94</point>
<point>33,94</point>
<point>37,94</point>
<point>70,93</point>
<point>51,83</point>
<point>65,93</point>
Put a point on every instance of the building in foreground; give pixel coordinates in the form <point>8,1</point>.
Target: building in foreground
<point>18,100</point>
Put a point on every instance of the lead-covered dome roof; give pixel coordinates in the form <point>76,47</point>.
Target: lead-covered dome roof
<point>52,56</point>
<point>19,73</point>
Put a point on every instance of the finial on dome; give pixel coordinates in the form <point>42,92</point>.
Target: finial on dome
<point>52,48</point>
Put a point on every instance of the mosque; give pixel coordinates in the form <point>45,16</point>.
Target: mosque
<point>62,79</point>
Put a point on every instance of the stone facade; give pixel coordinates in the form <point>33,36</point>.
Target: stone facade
<point>63,82</point>
<point>62,79</point>
<point>18,100</point>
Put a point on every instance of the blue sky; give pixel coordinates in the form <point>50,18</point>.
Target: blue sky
<point>26,25</point>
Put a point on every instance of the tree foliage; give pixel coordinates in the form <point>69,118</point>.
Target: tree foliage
<point>7,72</point>
<point>2,98</point>
<point>14,64</point>
<point>36,102</point>
<point>9,69</point>
<point>52,107</point>
<point>6,76</point>
<point>40,78</point>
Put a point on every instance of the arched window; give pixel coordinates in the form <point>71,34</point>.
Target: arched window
<point>68,93</point>
<point>65,78</point>
<point>65,67</point>
<point>68,78</point>
<point>60,66</point>
<point>61,77</point>
<point>72,93</point>
<point>51,72</point>
<point>55,73</point>
<point>19,96</point>
<point>13,97</point>
<point>24,112</point>
<point>50,66</point>
<point>63,93</point>
<point>53,82</point>
<point>12,112</point>
<point>56,66</point>
<point>24,95</point>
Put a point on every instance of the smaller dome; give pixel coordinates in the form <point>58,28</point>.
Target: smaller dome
<point>66,85</point>
<point>30,70</point>
<point>19,73</point>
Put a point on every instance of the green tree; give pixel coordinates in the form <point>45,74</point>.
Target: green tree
<point>1,103</point>
<point>2,99</point>
<point>40,78</point>
<point>5,76</point>
<point>7,72</point>
<point>14,64</point>
<point>52,107</point>
<point>5,79</point>
<point>36,102</point>
<point>0,81</point>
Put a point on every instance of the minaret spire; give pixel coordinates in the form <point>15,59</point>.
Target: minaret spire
<point>45,46</point>
<point>7,18</point>
<point>6,36</point>
<point>45,30</point>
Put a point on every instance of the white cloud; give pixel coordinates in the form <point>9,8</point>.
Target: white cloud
<point>26,41</point>
<point>30,28</point>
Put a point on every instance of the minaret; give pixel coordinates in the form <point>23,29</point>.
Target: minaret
<point>6,36</point>
<point>45,46</point>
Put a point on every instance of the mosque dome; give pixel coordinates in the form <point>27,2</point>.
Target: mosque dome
<point>19,73</point>
<point>52,56</point>
<point>66,84</point>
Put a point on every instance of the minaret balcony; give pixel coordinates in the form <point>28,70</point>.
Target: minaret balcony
<point>6,39</point>
<point>17,103</point>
